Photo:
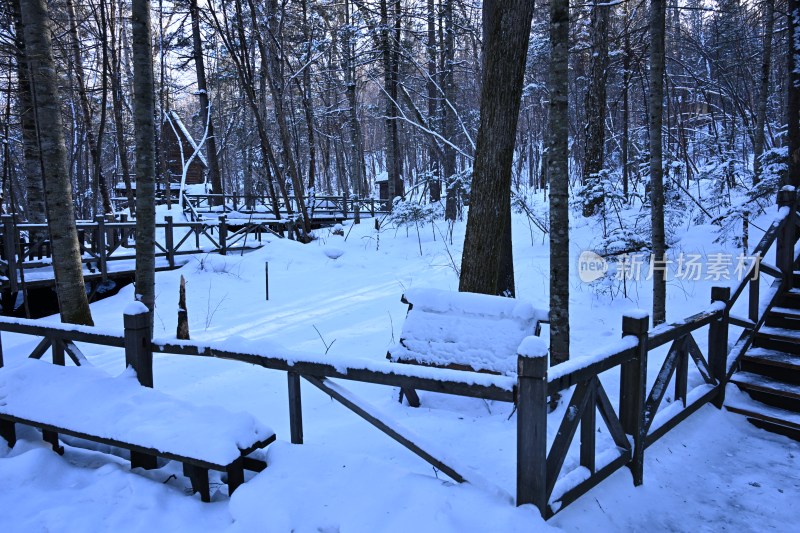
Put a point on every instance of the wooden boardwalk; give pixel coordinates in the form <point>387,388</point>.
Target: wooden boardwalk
<point>109,249</point>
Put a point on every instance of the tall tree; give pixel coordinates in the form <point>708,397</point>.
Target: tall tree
<point>793,96</point>
<point>34,186</point>
<point>205,104</point>
<point>67,265</point>
<point>99,180</point>
<point>558,174</point>
<point>507,25</point>
<point>763,93</point>
<point>658,246</point>
<point>595,129</point>
<point>448,109</point>
<point>144,128</point>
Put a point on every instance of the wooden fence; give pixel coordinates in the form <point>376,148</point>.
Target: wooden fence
<point>106,244</point>
<point>319,207</point>
<point>635,424</point>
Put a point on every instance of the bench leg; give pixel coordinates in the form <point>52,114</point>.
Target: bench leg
<point>411,395</point>
<point>51,437</point>
<point>199,478</point>
<point>143,460</point>
<point>235,475</point>
<point>8,432</point>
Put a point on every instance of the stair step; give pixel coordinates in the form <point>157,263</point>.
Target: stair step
<point>750,380</point>
<point>772,363</point>
<point>765,416</point>
<point>769,390</point>
<point>780,339</point>
<point>791,299</point>
<point>784,318</point>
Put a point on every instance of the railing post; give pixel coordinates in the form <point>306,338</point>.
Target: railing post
<point>223,235</point>
<point>633,391</point>
<point>532,424</point>
<point>295,408</point>
<point>290,229</point>
<point>784,252</point>
<point>101,245</point>
<point>169,240</point>
<point>9,236</point>
<point>718,343</point>
<point>138,350</point>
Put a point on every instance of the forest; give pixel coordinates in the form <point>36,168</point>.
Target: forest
<point>625,112</point>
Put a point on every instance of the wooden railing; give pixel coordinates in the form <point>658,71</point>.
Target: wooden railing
<point>138,347</point>
<point>343,206</point>
<point>638,421</point>
<point>26,247</point>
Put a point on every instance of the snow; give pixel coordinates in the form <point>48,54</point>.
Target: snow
<point>88,400</point>
<point>713,471</point>
<point>136,308</point>
<point>532,346</point>
<point>638,314</point>
<point>479,331</point>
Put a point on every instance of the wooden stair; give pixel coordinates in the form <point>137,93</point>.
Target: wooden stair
<point>769,373</point>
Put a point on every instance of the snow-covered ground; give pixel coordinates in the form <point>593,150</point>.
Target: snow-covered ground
<point>341,295</point>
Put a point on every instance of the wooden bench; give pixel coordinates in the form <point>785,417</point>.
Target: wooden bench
<point>463,331</point>
<point>87,403</point>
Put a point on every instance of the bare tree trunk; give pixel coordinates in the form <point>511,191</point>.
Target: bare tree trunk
<point>117,102</point>
<point>558,175</point>
<point>448,115</point>
<point>657,59</point>
<point>144,127</point>
<point>183,313</point>
<point>272,54</point>
<point>793,96</point>
<point>80,80</point>
<point>308,103</point>
<point>67,266</point>
<point>202,88</point>
<point>433,99</point>
<point>595,129</point>
<point>507,26</point>
<point>358,171</point>
<point>390,56</point>
<point>763,94</point>
<point>34,186</point>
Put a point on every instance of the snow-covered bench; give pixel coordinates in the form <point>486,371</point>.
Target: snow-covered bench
<point>87,403</point>
<point>463,331</point>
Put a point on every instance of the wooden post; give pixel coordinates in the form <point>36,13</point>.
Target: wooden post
<point>633,391</point>
<point>753,303</point>
<point>138,351</point>
<point>57,347</point>
<point>223,235</point>
<point>123,231</point>
<point>266,279</point>
<point>295,408</point>
<point>290,229</point>
<point>532,430</point>
<point>169,240</point>
<point>784,251</point>
<point>139,355</point>
<point>101,246</point>
<point>718,344</point>
<point>9,236</point>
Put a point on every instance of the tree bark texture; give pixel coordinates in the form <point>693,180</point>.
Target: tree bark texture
<point>558,176</point>
<point>763,94</point>
<point>67,266</point>
<point>144,127</point>
<point>507,32</point>
<point>658,248</point>
<point>596,102</point>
